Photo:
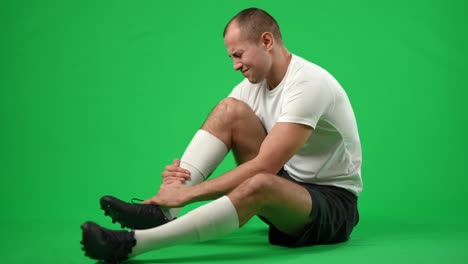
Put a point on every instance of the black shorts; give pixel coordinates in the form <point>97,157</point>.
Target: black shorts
<point>334,215</point>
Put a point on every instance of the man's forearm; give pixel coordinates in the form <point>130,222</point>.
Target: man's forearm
<point>225,183</point>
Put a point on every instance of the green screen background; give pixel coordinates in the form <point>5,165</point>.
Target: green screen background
<point>96,97</point>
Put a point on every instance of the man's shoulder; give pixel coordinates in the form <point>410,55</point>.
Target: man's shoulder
<point>302,70</point>
<point>306,71</point>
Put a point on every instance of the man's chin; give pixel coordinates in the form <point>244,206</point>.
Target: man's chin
<point>254,81</point>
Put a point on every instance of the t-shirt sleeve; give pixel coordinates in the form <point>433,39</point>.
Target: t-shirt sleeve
<point>236,93</point>
<point>306,102</point>
<point>240,92</point>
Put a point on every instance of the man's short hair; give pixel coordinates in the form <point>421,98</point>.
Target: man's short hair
<point>253,22</point>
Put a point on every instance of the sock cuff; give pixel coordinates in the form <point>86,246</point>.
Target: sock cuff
<point>220,218</point>
<point>205,152</point>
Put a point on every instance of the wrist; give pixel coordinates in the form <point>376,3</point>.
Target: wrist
<point>189,195</point>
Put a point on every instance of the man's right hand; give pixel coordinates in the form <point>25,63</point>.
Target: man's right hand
<point>173,172</point>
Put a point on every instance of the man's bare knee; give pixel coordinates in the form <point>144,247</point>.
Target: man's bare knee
<point>252,196</point>
<point>231,109</point>
<point>256,188</point>
<point>236,124</point>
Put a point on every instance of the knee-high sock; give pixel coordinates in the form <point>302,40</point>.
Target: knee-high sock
<point>210,221</point>
<point>201,157</point>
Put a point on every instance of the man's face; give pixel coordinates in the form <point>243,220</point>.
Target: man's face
<point>250,58</point>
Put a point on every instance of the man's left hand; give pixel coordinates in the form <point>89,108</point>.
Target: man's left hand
<point>170,195</point>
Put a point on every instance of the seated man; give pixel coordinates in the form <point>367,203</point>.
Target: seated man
<point>293,133</point>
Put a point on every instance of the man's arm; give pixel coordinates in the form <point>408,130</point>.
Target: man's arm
<point>284,140</point>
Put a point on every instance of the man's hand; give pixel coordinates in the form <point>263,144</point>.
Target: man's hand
<point>170,195</point>
<point>174,173</point>
<point>172,191</point>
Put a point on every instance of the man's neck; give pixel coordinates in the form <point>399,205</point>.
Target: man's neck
<point>279,68</point>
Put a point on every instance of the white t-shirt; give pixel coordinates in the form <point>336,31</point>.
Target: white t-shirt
<point>311,96</point>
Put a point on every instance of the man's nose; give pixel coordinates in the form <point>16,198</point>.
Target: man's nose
<point>237,65</point>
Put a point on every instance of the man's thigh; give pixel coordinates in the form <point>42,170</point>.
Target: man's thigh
<point>332,217</point>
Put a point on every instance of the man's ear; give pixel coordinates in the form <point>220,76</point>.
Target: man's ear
<point>267,40</point>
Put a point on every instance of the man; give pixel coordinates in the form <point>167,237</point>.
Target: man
<point>293,133</point>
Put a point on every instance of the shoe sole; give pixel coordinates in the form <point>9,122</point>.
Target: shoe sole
<point>107,205</point>
<point>92,246</point>
<point>87,229</point>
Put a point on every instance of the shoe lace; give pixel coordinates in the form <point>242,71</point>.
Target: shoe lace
<point>148,210</point>
<point>138,200</point>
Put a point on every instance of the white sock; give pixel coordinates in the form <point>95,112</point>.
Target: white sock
<point>201,157</point>
<point>210,221</point>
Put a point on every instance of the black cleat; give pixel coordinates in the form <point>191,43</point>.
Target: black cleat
<point>131,215</point>
<point>106,245</point>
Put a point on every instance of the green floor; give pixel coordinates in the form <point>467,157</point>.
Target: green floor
<point>373,241</point>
